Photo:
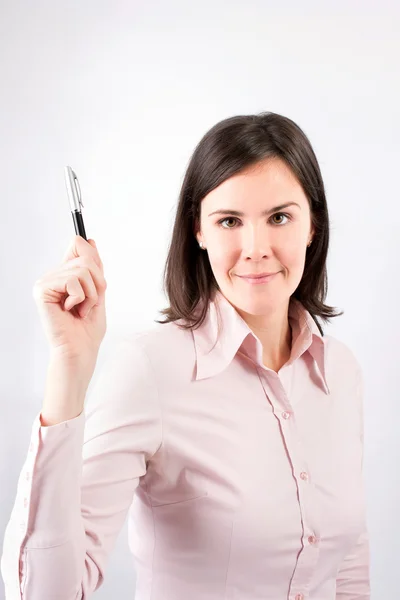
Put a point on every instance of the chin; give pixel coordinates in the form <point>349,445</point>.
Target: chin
<point>257,307</point>
<point>254,304</point>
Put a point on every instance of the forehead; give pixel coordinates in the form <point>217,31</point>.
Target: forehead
<point>270,182</point>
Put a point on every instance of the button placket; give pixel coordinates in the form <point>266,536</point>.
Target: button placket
<point>312,539</point>
<point>283,409</point>
<point>304,567</point>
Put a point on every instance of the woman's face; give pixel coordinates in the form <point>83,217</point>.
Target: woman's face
<point>245,234</point>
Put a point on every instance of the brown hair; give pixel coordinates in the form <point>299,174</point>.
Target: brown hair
<point>229,147</point>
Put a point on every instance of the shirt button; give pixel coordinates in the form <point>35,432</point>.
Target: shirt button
<point>31,447</point>
<point>312,539</point>
<point>299,597</point>
<point>25,502</point>
<point>286,415</point>
<point>304,476</point>
<point>22,526</point>
<point>27,475</point>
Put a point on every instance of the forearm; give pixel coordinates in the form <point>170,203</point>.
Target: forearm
<point>64,396</point>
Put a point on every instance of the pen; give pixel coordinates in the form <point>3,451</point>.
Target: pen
<point>75,201</point>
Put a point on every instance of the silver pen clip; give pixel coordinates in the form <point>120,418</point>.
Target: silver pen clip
<point>73,189</point>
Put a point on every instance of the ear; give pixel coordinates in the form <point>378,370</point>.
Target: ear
<point>197,231</point>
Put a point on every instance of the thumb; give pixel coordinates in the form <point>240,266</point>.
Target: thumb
<point>93,244</point>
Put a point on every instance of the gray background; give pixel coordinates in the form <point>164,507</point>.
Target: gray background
<point>122,92</point>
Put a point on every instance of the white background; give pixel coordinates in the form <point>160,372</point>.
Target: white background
<point>122,92</point>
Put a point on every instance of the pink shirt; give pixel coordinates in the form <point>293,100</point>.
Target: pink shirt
<point>241,483</point>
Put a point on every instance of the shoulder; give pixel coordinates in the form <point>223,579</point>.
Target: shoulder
<point>158,348</point>
<point>340,359</point>
<point>161,338</point>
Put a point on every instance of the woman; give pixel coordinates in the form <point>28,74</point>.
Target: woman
<point>232,431</point>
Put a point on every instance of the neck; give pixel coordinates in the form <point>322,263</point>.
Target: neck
<point>275,335</point>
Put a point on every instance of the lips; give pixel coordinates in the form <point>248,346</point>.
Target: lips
<point>256,276</point>
<point>258,279</point>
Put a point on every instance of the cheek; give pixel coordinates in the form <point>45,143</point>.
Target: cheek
<point>292,250</point>
<point>223,254</point>
<point>222,259</point>
<point>292,255</point>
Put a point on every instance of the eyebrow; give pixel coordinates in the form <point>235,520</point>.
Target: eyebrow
<point>237,213</point>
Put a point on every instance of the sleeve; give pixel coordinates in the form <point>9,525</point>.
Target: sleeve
<point>78,482</point>
<point>353,577</point>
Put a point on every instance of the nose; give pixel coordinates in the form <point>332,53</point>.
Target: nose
<point>255,242</point>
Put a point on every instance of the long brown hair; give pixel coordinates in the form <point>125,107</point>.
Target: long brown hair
<point>229,147</point>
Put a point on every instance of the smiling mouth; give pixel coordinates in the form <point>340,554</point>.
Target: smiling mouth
<point>258,279</point>
<point>256,275</point>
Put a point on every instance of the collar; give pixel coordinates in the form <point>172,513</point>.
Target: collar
<point>215,352</point>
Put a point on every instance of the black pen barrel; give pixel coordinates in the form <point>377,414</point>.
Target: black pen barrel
<point>78,224</point>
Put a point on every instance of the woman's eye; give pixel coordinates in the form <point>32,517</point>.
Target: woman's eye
<point>227,219</point>
<point>281,215</point>
<point>232,220</point>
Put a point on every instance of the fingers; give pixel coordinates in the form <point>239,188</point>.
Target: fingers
<point>80,247</point>
<point>75,291</point>
<point>89,290</point>
<point>89,264</point>
<point>77,282</point>
<point>100,262</point>
<point>85,285</point>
